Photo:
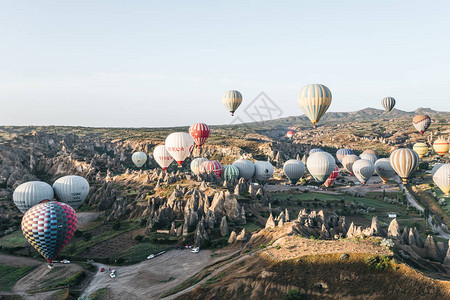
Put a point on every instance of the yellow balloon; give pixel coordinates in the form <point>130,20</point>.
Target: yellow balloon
<point>421,149</point>
<point>314,100</point>
<point>441,147</point>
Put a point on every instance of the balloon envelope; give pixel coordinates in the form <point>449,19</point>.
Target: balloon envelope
<point>341,153</point>
<point>421,123</point>
<point>320,165</point>
<point>315,150</point>
<point>230,172</point>
<point>384,169</point>
<point>263,171</point>
<point>246,168</point>
<point>371,151</point>
<point>421,149</point>
<point>212,166</point>
<point>442,178</point>
<point>388,103</point>
<point>199,133</point>
<point>330,180</point>
<point>348,162</point>
<point>404,162</point>
<point>232,99</point>
<point>290,134</point>
<point>30,193</point>
<point>72,190</point>
<point>162,156</point>
<point>196,164</point>
<point>441,147</point>
<point>48,227</point>
<point>294,170</point>
<point>363,170</point>
<point>435,168</point>
<point>139,159</point>
<point>179,145</point>
<point>314,100</point>
<point>368,156</point>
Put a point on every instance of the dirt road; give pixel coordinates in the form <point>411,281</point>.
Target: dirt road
<point>151,278</point>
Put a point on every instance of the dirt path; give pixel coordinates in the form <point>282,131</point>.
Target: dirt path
<point>85,217</point>
<point>151,278</point>
<point>18,261</point>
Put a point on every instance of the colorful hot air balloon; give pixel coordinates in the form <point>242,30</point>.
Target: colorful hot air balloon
<point>435,168</point>
<point>48,227</point>
<point>348,162</point>
<point>314,150</point>
<point>212,166</point>
<point>199,133</point>
<point>30,193</point>
<point>139,159</point>
<point>421,149</point>
<point>232,99</point>
<point>368,156</point>
<point>230,172</point>
<point>404,162</point>
<point>421,123</point>
<point>363,170</point>
<point>162,156</point>
<point>442,178</point>
<point>246,168</point>
<point>320,165</point>
<point>294,170</point>
<point>179,145</point>
<point>330,181</point>
<point>196,164</point>
<point>343,152</point>
<point>290,134</point>
<point>71,190</point>
<point>441,147</point>
<point>314,100</point>
<point>384,169</point>
<point>263,171</point>
<point>371,151</point>
<point>388,103</point>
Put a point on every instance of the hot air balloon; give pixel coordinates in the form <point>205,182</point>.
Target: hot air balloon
<point>330,181</point>
<point>435,168</point>
<point>212,166</point>
<point>290,134</point>
<point>320,165</point>
<point>348,162</point>
<point>139,159</point>
<point>441,147</point>
<point>230,172</point>
<point>314,150</point>
<point>162,156</point>
<point>388,103</point>
<point>343,152</point>
<point>421,149</point>
<point>294,170</point>
<point>196,164</point>
<point>30,193</point>
<point>232,99</point>
<point>363,170</point>
<point>199,133</point>
<point>179,145</point>
<point>246,168</point>
<point>368,156</point>
<point>384,169</point>
<point>263,171</point>
<point>72,190</point>
<point>48,227</point>
<point>421,123</point>
<point>371,151</point>
<point>442,178</point>
<point>404,162</point>
<point>314,100</point>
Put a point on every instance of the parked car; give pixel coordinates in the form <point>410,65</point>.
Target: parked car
<point>195,250</point>
<point>113,274</point>
<point>65,261</point>
<point>102,269</point>
<point>150,256</point>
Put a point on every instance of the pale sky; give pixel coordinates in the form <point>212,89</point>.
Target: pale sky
<point>167,63</point>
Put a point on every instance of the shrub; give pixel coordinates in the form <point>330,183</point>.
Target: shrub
<point>116,226</point>
<point>87,236</point>
<point>139,238</point>
<point>378,262</point>
<point>294,294</point>
<point>278,246</point>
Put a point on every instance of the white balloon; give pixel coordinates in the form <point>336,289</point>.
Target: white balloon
<point>196,164</point>
<point>363,170</point>
<point>179,145</point>
<point>139,159</point>
<point>30,193</point>
<point>162,156</point>
<point>72,190</point>
<point>348,162</point>
<point>246,168</point>
<point>442,178</point>
<point>294,169</point>
<point>320,165</point>
<point>435,168</point>
<point>384,169</point>
<point>368,156</point>
<point>263,171</point>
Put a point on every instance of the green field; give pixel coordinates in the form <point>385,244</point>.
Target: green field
<point>9,275</point>
<point>14,240</point>
<point>140,251</point>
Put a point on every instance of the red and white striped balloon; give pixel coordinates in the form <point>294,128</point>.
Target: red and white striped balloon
<point>211,166</point>
<point>329,182</point>
<point>199,132</point>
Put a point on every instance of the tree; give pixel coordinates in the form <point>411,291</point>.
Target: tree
<point>87,236</point>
